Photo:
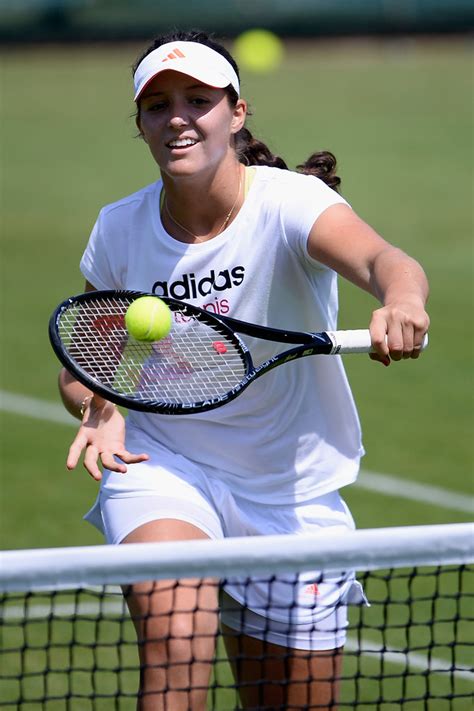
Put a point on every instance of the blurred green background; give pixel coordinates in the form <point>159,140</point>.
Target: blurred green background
<point>396,110</point>
<point>398,115</point>
<point>91,20</point>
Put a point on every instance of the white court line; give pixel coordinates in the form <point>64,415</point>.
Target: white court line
<point>35,408</point>
<point>390,485</point>
<point>117,609</point>
<point>385,484</point>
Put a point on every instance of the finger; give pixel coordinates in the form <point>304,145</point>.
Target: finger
<point>408,341</point>
<point>110,463</point>
<point>90,463</point>
<point>414,342</point>
<point>385,360</point>
<point>395,341</point>
<point>75,451</point>
<point>131,457</point>
<point>416,352</point>
<point>418,343</point>
<point>378,336</point>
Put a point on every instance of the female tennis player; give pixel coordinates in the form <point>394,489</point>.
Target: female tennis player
<point>229,228</point>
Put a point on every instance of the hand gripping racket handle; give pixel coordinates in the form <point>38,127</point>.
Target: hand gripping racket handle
<point>357,341</point>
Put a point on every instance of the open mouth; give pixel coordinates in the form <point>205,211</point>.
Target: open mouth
<point>180,143</point>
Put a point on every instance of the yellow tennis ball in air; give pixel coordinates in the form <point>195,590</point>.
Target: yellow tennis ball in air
<point>148,318</point>
<point>258,50</point>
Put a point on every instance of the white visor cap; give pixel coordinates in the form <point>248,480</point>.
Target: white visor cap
<point>191,58</point>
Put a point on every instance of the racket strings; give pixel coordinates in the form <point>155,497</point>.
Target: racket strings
<point>195,363</point>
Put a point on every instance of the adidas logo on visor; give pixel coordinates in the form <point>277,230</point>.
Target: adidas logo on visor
<point>175,54</point>
<point>197,61</point>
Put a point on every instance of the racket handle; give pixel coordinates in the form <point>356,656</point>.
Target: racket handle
<point>357,341</point>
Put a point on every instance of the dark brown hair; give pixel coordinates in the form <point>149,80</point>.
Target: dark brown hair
<point>250,150</point>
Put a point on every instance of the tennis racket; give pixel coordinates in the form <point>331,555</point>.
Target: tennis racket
<point>202,364</point>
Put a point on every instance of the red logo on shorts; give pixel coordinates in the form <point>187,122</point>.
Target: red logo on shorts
<point>312,589</point>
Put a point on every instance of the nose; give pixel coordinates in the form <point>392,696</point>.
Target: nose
<point>177,122</point>
<point>178,118</point>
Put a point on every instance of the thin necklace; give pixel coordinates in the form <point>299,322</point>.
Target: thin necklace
<point>221,228</point>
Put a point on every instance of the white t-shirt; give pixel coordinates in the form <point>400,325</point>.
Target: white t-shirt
<point>294,434</point>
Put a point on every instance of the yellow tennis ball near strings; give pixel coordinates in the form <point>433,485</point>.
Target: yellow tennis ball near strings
<point>258,50</point>
<point>148,318</point>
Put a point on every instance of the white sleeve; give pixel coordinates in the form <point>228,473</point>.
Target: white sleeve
<point>96,264</point>
<point>301,206</point>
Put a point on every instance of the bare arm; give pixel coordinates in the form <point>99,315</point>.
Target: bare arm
<point>344,242</point>
<point>102,432</point>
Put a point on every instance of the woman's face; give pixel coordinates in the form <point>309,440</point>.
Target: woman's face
<point>187,125</point>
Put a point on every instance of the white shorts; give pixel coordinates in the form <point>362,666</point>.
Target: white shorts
<point>302,611</point>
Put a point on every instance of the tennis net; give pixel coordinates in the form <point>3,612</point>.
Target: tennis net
<point>68,641</point>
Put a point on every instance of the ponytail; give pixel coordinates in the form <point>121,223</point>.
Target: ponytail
<point>323,165</point>
<point>251,151</point>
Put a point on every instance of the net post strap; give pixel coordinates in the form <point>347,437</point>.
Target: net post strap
<point>365,549</point>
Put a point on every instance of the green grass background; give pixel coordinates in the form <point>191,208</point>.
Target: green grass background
<point>397,114</point>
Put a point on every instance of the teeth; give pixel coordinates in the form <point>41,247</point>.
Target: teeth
<point>181,142</point>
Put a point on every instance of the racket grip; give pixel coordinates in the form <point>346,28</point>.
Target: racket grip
<point>356,341</point>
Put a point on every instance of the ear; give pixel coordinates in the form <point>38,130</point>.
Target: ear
<point>239,115</point>
<point>137,123</point>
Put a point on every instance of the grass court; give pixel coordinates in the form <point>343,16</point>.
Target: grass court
<point>398,116</point>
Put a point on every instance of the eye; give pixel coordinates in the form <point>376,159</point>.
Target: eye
<point>154,105</point>
<point>157,106</point>
<point>199,101</point>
